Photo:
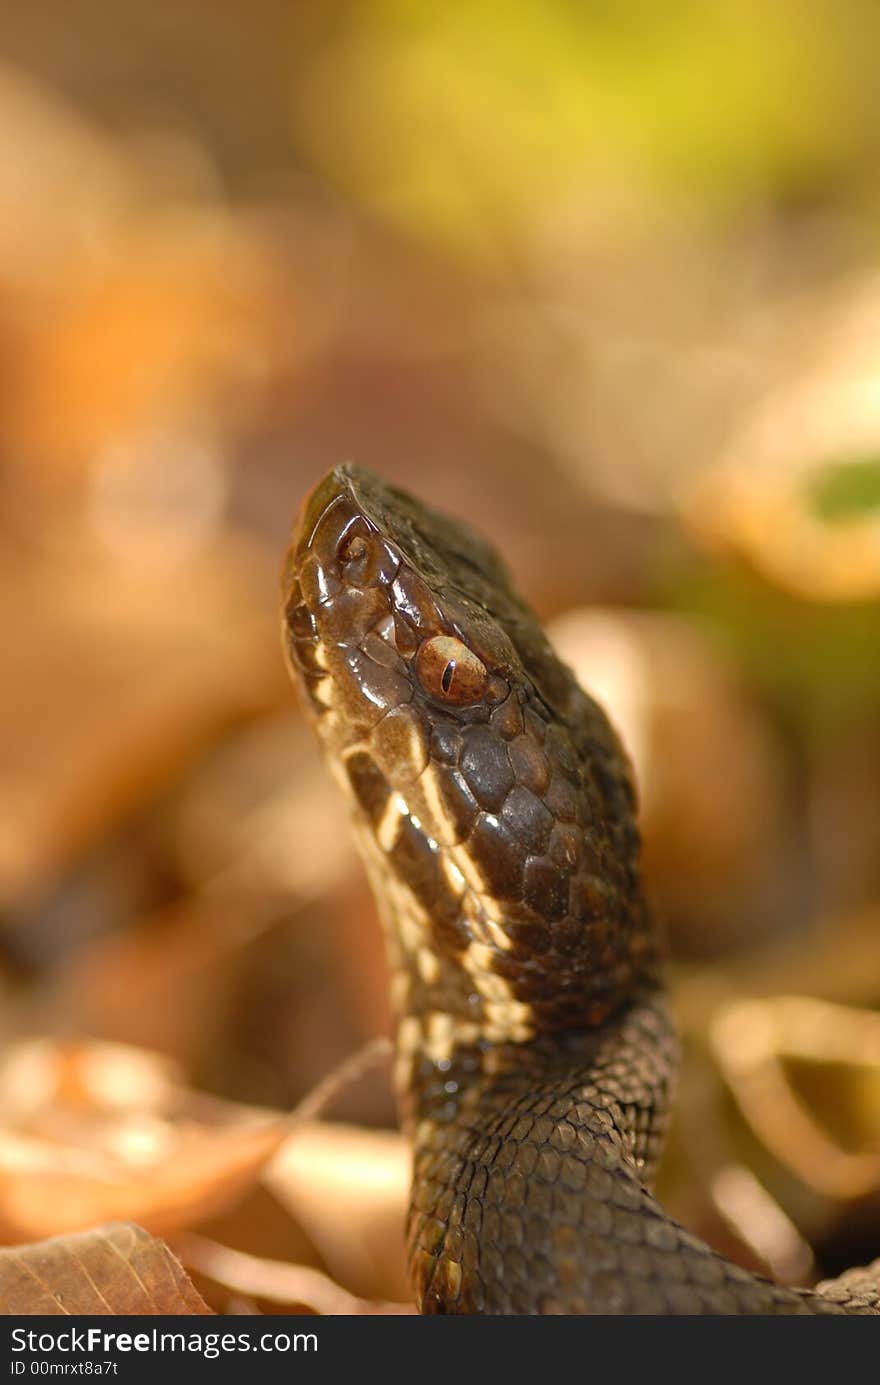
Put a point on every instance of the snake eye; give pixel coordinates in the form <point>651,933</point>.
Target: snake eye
<point>451,672</point>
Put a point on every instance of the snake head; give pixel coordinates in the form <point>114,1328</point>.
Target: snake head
<point>495,808</point>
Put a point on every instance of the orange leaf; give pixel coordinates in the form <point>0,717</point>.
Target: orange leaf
<point>104,1133</point>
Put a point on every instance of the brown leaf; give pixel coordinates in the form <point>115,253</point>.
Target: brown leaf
<point>113,1269</point>
<point>103,1132</point>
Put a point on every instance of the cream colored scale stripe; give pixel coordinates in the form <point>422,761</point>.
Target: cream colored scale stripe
<point>437,1033</point>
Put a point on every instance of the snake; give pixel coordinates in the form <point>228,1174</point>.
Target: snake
<point>495,811</point>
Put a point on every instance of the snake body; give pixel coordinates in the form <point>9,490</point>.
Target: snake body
<point>494,809</point>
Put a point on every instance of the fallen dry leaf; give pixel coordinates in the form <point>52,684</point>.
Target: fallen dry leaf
<point>294,1286</point>
<point>113,1269</point>
<point>752,1039</point>
<point>348,1188</point>
<point>99,1132</point>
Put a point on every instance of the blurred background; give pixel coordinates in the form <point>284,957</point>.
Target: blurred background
<point>603,278</point>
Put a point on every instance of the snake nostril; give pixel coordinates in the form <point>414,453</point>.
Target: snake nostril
<point>356,558</point>
<point>353,549</point>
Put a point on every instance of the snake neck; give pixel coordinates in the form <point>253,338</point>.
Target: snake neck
<point>450,995</point>
<point>471,1080</point>
<point>528,1155</point>
<point>533,1166</point>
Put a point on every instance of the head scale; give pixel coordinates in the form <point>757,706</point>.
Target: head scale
<point>494,804</point>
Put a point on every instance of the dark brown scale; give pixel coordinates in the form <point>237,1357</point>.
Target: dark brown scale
<point>530,765</point>
<point>405,636</point>
<point>388,688</point>
<point>300,622</point>
<point>381,652</point>
<point>536,1143</point>
<point>446,743</point>
<point>312,580</point>
<point>532,935</point>
<point>588,898</point>
<point>544,888</point>
<point>355,614</point>
<point>526,819</point>
<point>486,768</point>
<point>420,867</point>
<point>412,599</point>
<point>565,845</point>
<point>459,804</point>
<point>500,857</point>
<point>507,719</point>
<point>370,787</point>
<point>560,751</point>
<point>563,802</point>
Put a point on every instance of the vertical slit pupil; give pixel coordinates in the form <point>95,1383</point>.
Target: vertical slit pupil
<point>446,679</point>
